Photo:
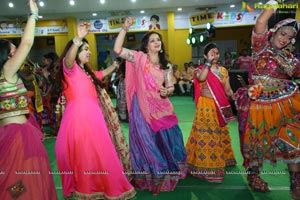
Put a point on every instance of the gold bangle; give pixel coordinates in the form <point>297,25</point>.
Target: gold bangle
<point>77,42</point>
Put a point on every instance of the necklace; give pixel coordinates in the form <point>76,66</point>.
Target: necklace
<point>153,62</point>
<point>217,71</point>
<point>274,58</point>
<point>90,77</point>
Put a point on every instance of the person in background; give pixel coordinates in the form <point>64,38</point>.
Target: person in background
<point>83,145</point>
<point>185,80</point>
<point>107,80</point>
<point>269,107</point>
<point>191,66</point>
<point>175,78</point>
<point>24,161</point>
<point>121,103</point>
<point>209,148</point>
<point>47,76</point>
<point>155,139</point>
<point>228,62</point>
<point>108,59</point>
<point>244,61</point>
<point>28,75</point>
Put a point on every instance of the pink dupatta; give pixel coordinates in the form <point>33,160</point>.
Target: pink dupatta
<point>157,111</point>
<point>215,86</point>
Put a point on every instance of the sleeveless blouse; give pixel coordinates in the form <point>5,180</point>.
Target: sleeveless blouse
<point>13,98</point>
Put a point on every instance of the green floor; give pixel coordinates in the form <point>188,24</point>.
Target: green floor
<point>234,186</point>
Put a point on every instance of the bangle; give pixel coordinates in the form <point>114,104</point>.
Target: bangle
<point>207,65</point>
<point>34,15</point>
<point>77,42</point>
<point>125,28</point>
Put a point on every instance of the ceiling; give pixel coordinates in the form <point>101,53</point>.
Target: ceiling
<point>83,9</point>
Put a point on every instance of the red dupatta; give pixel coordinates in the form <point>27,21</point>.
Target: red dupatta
<point>216,88</point>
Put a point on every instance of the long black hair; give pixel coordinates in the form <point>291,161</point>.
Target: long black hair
<point>4,52</point>
<point>5,48</point>
<point>60,78</point>
<point>161,54</point>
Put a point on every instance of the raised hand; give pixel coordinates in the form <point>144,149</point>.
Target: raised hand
<point>116,64</point>
<point>82,29</point>
<point>128,22</point>
<point>33,6</point>
<point>272,4</point>
<point>211,55</point>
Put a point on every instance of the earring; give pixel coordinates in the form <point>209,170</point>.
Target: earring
<point>161,51</point>
<point>293,41</point>
<point>271,39</point>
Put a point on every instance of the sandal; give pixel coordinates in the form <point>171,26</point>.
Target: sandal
<point>257,183</point>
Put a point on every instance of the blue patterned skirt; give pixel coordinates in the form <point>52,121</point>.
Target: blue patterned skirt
<point>158,159</point>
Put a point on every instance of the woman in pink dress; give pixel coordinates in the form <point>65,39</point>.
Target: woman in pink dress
<point>87,160</point>
<point>157,150</point>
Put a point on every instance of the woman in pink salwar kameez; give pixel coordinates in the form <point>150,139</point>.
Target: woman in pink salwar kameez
<point>87,160</point>
<point>156,144</point>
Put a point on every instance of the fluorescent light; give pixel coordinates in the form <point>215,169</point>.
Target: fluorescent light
<point>193,40</point>
<point>10,4</point>
<point>72,2</point>
<point>142,11</point>
<point>41,3</point>
<point>102,1</point>
<point>94,14</point>
<point>188,41</point>
<point>179,9</point>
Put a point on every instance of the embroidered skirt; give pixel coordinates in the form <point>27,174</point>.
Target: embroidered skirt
<point>208,148</point>
<point>269,126</point>
<point>158,159</point>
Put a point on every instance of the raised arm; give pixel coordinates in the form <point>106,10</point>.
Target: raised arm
<point>111,69</point>
<point>16,60</point>
<point>262,20</point>
<point>202,74</point>
<point>118,46</point>
<point>82,31</point>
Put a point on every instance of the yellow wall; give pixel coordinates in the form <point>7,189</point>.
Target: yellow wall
<point>171,35</point>
<point>91,38</point>
<point>297,17</point>
<point>182,51</point>
<point>60,43</point>
<point>241,34</point>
